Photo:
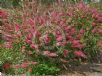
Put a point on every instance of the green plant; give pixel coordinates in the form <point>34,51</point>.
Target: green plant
<point>54,39</point>
<point>45,68</point>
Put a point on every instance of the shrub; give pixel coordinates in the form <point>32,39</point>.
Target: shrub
<point>72,36</point>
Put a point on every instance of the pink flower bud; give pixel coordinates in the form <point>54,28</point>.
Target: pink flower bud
<point>59,38</point>
<point>17,28</point>
<point>93,24</point>
<point>31,22</point>
<point>34,63</point>
<point>33,46</point>
<point>25,65</point>
<point>65,53</point>
<point>47,39</point>
<point>80,54</point>
<point>8,45</point>
<point>28,41</point>
<point>82,31</point>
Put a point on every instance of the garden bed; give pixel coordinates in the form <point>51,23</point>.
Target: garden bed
<point>53,39</point>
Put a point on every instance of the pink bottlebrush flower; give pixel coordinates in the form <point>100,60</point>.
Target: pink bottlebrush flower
<point>38,34</point>
<point>64,43</point>
<point>7,37</point>
<point>49,54</point>
<point>28,41</point>
<point>99,20</point>
<point>69,38</point>
<point>72,31</point>
<point>99,31</point>
<point>54,14</point>
<point>52,55</point>
<point>61,14</point>
<point>8,45</point>
<point>82,31</point>
<point>17,27</point>
<point>24,64</point>
<point>33,63</point>
<point>70,14</point>
<point>93,10</point>
<point>46,53</point>
<point>94,30</point>
<point>33,46</point>
<point>58,44</point>
<point>77,44</point>
<point>81,5</point>
<point>65,52</point>
<point>31,22</point>
<point>3,14</point>
<point>58,32</point>
<point>80,54</point>
<point>93,24</point>
<point>41,20</point>
<point>16,66</point>
<point>67,28</point>
<point>47,39</point>
<point>99,44</point>
<point>61,23</point>
<point>29,36</point>
<point>33,32</point>
<point>59,38</point>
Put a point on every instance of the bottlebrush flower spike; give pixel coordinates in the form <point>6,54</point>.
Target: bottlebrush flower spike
<point>28,41</point>
<point>29,36</point>
<point>3,14</point>
<point>59,43</point>
<point>58,32</point>
<point>8,45</point>
<point>24,64</point>
<point>16,66</point>
<point>31,22</point>
<point>65,53</point>
<point>80,54</point>
<point>17,27</point>
<point>52,55</point>
<point>41,20</point>
<point>93,24</point>
<point>99,20</point>
<point>99,44</point>
<point>81,5</point>
<point>46,53</point>
<point>99,31</point>
<point>33,46</point>
<point>33,63</point>
<point>47,39</point>
<point>82,31</point>
<point>59,38</point>
<point>49,54</point>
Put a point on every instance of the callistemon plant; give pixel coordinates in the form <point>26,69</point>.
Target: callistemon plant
<point>73,35</point>
<point>68,36</point>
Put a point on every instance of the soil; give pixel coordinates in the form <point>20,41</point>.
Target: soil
<point>84,70</point>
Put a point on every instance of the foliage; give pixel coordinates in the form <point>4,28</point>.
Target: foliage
<point>53,39</point>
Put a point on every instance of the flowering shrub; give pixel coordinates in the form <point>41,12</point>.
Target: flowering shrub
<point>55,38</point>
